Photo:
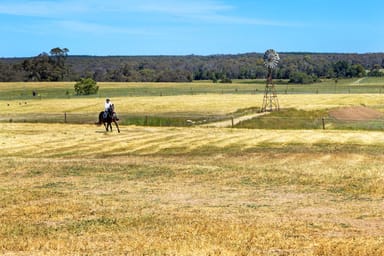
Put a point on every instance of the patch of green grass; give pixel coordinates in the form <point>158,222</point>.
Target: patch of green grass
<point>53,185</point>
<point>71,171</point>
<point>353,182</point>
<point>155,121</point>
<point>89,225</point>
<point>370,125</point>
<point>314,148</point>
<point>244,111</point>
<point>286,119</point>
<point>146,172</point>
<point>167,121</point>
<point>20,229</point>
<point>34,173</point>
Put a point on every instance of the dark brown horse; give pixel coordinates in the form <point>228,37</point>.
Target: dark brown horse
<point>108,118</point>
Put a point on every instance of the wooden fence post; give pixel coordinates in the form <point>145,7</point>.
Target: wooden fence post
<point>65,117</point>
<point>323,121</point>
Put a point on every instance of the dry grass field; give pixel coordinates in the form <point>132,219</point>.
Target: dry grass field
<point>203,105</point>
<point>73,189</point>
<point>76,190</point>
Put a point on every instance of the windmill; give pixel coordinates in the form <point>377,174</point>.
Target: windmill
<point>270,101</point>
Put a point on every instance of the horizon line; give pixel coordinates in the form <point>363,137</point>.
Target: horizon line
<point>192,54</point>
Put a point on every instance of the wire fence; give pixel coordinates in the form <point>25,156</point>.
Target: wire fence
<point>75,118</point>
<point>196,89</point>
<point>264,122</point>
<point>124,118</point>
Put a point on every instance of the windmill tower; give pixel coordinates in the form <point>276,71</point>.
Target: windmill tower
<point>270,101</point>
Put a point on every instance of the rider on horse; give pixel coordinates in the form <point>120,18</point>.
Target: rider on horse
<point>108,109</point>
<point>108,116</point>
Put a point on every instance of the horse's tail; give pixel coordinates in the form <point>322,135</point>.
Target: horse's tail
<point>100,118</point>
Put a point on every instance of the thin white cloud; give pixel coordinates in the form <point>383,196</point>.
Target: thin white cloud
<point>49,8</point>
<point>42,8</point>
<point>204,11</point>
<point>236,20</point>
<point>190,11</point>
<point>99,29</point>
<point>183,8</point>
<point>94,17</point>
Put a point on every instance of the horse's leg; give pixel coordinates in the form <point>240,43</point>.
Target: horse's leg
<point>106,126</point>
<point>117,126</point>
<point>110,125</point>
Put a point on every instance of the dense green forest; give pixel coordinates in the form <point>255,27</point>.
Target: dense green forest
<point>57,65</point>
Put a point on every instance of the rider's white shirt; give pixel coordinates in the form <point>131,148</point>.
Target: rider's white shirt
<point>107,105</point>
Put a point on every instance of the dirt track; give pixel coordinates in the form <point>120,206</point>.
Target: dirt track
<point>356,113</point>
<point>236,120</point>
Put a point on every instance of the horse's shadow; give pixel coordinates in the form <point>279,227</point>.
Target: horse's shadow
<point>105,132</point>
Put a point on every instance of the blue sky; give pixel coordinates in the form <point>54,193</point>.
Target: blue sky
<point>181,27</point>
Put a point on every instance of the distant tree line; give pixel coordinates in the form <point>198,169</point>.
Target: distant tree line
<point>297,67</point>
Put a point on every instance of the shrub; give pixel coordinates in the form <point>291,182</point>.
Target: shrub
<point>302,78</point>
<point>86,86</point>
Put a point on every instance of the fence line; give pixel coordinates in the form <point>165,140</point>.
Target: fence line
<point>152,120</point>
<point>63,117</point>
<point>228,89</point>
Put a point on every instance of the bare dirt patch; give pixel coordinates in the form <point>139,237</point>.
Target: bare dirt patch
<point>356,113</point>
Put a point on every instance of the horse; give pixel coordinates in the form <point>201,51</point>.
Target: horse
<point>108,119</point>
